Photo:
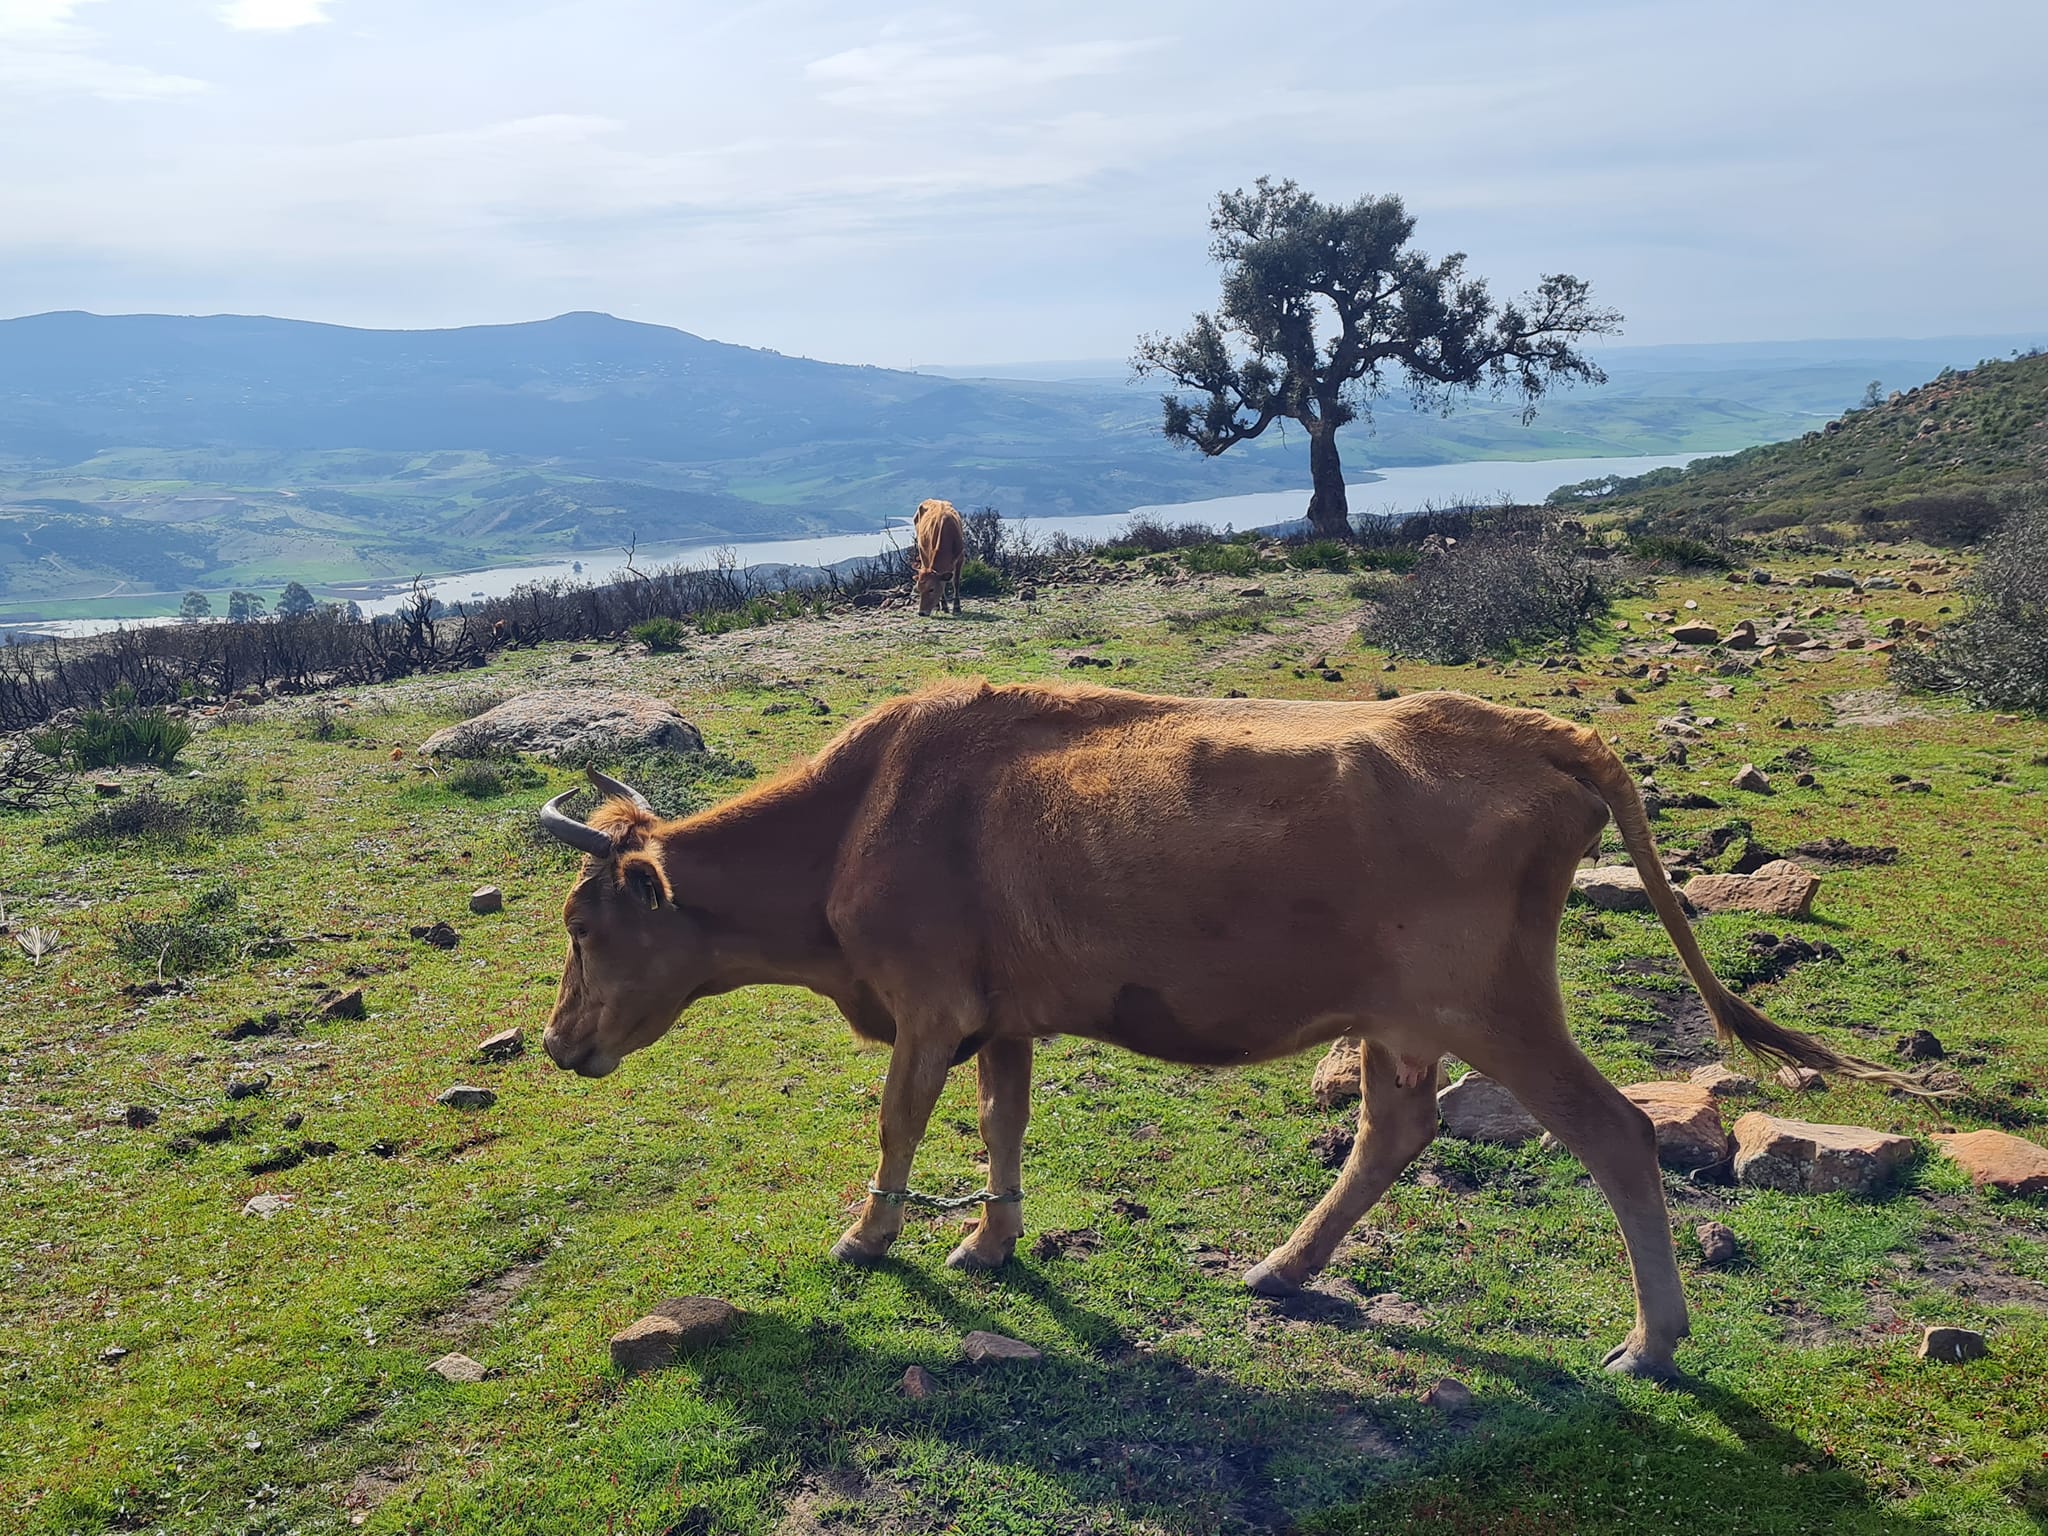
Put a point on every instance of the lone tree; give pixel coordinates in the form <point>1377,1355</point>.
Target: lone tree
<point>1325,307</point>
<point>195,607</point>
<point>296,602</point>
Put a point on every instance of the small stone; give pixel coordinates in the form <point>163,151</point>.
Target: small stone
<point>112,1353</point>
<point>1476,1108</point>
<point>106,789</point>
<point>140,1117</point>
<point>1623,696</point>
<point>457,1368</point>
<point>440,935</point>
<point>1742,637</point>
<point>1752,778</point>
<point>984,1348</point>
<point>1803,1158</point>
<point>1998,1160</point>
<point>1952,1346</point>
<point>1718,1243</point>
<point>1338,1075</point>
<point>1722,1083</point>
<point>265,1206</point>
<point>917,1384</point>
<point>1804,779</point>
<point>1920,1045</point>
<point>1331,675</point>
<point>502,1046</point>
<point>464,1096</point>
<point>1801,1080</point>
<point>343,1005</point>
<point>1449,1395</point>
<point>1687,1121</point>
<point>1777,889</point>
<point>293,1121</point>
<point>486,899</point>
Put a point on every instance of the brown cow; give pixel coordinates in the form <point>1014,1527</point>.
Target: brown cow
<point>941,551</point>
<point>973,868</point>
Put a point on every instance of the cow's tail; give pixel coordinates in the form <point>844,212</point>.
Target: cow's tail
<point>1735,1021</point>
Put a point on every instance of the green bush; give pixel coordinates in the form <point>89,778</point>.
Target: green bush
<point>212,811</point>
<point>320,723</point>
<point>660,633</point>
<point>1320,555</point>
<point>1679,552</point>
<point>757,611</point>
<point>1487,595</point>
<point>1996,654</point>
<point>486,778</point>
<point>980,579</point>
<point>1220,559</point>
<point>104,738</point>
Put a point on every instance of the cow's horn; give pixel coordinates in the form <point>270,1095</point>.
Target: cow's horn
<point>558,824</point>
<point>613,787</point>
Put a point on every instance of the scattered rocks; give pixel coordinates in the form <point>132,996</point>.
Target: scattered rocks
<point>917,1384</point>
<point>1722,1083</point>
<point>486,899</point>
<point>1920,1045</point>
<point>139,1117</point>
<point>685,1322</point>
<point>1448,1396</point>
<point>1742,637</point>
<point>1752,778</point>
<point>1802,1080</point>
<point>556,722</point>
<point>1800,1157</point>
<point>464,1096</point>
<point>266,1206</point>
<point>1779,889</point>
<point>502,1046</point>
<point>1612,888</point>
<point>1687,1121</point>
<point>1476,1108</point>
<point>440,935</point>
<point>342,1005</point>
<point>1952,1346</point>
<point>1339,1075</point>
<point>1718,1243</point>
<point>984,1348</point>
<point>457,1368</point>
<point>1998,1160</point>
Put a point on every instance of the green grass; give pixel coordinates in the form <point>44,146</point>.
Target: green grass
<point>275,1373</point>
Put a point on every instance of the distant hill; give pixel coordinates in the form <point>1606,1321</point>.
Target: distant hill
<point>1926,456</point>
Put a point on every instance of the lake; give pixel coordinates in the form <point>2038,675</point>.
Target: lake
<point>1395,490</point>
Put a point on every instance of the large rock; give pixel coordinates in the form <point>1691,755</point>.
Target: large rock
<point>1801,1157</point>
<point>1779,889</point>
<point>557,722</point>
<point>1696,634</point>
<point>1476,1108</point>
<point>985,1348</point>
<point>1612,888</point>
<point>1687,1120</point>
<point>682,1323</point>
<point>1338,1075</point>
<point>1999,1160</point>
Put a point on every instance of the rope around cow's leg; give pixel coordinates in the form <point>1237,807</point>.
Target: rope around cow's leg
<point>943,1202</point>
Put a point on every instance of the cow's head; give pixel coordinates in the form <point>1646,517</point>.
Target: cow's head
<point>931,591</point>
<point>636,960</point>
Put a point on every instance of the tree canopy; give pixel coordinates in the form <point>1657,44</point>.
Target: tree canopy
<point>1327,307</point>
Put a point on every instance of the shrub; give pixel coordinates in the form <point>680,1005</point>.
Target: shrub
<point>1680,552</point>
<point>207,934</point>
<point>660,633</point>
<point>980,579</point>
<point>213,810</point>
<point>1486,595</point>
<point>1220,559</point>
<point>486,778</point>
<point>1320,555</point>
<point>320,723</point>
<point>28,780</point>
<point>103,738</point>
<point>1996,654</point>
<point>1148,534</point>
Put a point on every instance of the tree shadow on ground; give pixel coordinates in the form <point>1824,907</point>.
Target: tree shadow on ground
<point>1117,1435</point>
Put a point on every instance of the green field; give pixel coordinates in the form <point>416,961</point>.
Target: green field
<point>170,1363</point>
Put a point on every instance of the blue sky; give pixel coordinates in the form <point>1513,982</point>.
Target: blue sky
<point>906,185</point>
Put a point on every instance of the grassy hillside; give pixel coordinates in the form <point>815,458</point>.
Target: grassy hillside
<point>1948,440</point>
<point>171,1363</point>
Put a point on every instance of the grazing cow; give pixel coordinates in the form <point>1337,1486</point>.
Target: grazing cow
<point>941,551</point>
<point>973,868</point>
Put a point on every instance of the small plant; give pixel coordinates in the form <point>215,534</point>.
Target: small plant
<point>207,934</point>
<point>1678,552</point>
<point>36,943</point>
<point>1220,559</point>
<point>213,810</point>
<point>675,783</point>
<point>1487,595</point>
<point>980,579</point>
<point>660,633</point>
<point>103,738</point>
<point>1320,555</point>
<point>29,780</point>
<point>486,778</point>
<point>322,723</point>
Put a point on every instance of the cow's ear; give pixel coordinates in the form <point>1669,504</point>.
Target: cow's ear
<point>642,876</point>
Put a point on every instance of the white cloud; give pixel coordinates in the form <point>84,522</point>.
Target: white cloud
<point>926,77</point>
<point>273,15</point>
<point>29,18</point>
<point>48,53</point>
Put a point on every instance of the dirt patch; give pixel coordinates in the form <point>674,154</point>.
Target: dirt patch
<point>1841,854</point>
<point>1679,1031</point>
<point>836,1500</point>
<point>1874,707</point>
<point>484,1303</point>
<point>1075,1244</point>
<point>1332,1144</point>
<point>374,1486</point>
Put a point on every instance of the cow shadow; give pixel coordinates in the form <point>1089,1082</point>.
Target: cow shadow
<point>1128,1433</point>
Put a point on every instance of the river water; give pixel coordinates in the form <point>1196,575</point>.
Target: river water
<point>1395,490</point>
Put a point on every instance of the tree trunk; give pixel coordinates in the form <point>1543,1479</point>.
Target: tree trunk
<point>1329,513</point>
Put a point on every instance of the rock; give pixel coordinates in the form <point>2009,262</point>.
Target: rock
<point>1331,675</point>
<point>1722,1083</point>
<point>112,1354</point>
<point>1251,592</point>
<point>1696,634</point>
<point>1623,696</point>
<point>139,1117</point>
<point>1752,778</point>
<point>106,789</point>
<point>985,1348</point>
<point>1390,1309</point>
<point>554,722</point>
<point>293,1120</point>
<point>1687,1122</point>
<point>1801,1157</point>
<point>342,1005</point>
<point>1449,1395</point>
<point>646,1345</point>
<point>1952,1345</point>
<point>1802,1080</point>
<point>1835,577</point>
<point>248,1087</point>
<point>702,1319</point>
<point>1612,888</point>
<point>1338,1075</point>
<point>1999,1160</point>
<point>1476,1108</point>
<point>463,1096</point>
<point>1742,637</point>
<point>440,935</point>
<point>266,1206</point>
<point>1778,889</point>
<point>1718,1244</point>
<point>502,1046</point>
<point>486,899</point>
<point>1920,1045</point>
<point>457,1368</point>
<point>917,1384</point>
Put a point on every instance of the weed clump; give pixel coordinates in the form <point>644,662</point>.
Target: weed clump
<point>660,634</point>
<point>207,934</point>
<point>211,811</point>
<point>322,723</point>
<point>1499,589</point>
<point>106,738</point>
<point>1996,654</point>
<point>486,778</point>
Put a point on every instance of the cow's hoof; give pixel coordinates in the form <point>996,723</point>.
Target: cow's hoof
<point>1623,1360</point>
<point>847,1251</point>
<point>972,1254</point>
<point>1265,1280</point>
